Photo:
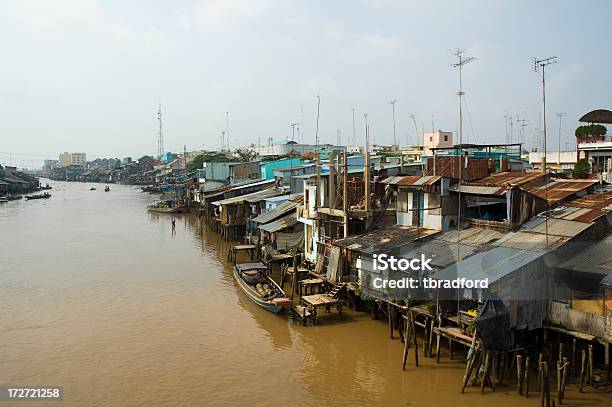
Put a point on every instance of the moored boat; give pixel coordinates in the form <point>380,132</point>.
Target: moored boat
<point>3,199</point>
<point>106,189</point>
<point>255,282</point>
<point>167,206</point>
<point>39,196</point>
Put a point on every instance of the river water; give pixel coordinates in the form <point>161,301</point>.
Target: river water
<point>101,297</point>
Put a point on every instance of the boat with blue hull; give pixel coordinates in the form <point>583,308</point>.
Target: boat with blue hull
<point>256,283</point>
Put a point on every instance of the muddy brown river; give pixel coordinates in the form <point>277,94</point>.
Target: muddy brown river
<point>101,297</point>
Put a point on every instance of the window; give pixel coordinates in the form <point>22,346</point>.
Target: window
<point>431,139</point>
<point>445,138</point>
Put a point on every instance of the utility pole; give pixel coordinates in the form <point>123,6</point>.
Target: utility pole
<point>506,133</point>
<point>160,133</point>
<point>222,139</point>
<point>227,130</point>
<point>317,129</point>
<point>461,62</point>
<point>393,102</point>
<point>302,124</point>
<point>292,125</point>
<point>540,64</point>
<point>560,116</point>
<point>511,129</point>
<point>523,124</point>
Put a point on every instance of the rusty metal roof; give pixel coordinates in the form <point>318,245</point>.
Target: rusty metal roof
<point>503,179</point>
<point>559,189</point>
<point>412,180</point>
<point>601,200</point>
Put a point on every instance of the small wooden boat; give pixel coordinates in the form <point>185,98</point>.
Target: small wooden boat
<point>39,196</point>
<point>254,280</point>
<point>167,206</point>
<point>92,189</point>
<point>106,189</point>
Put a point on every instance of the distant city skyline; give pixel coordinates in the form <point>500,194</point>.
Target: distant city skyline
<point>87,76</point>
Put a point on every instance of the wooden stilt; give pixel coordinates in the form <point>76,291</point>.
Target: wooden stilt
<point>485,372</point>
<point>438,342</point>
<point>540,388</point>
<point>526,381</point>
<point>469,367</point>
<point>416,346</point>
<point>431,333</point>
<point>559,364</point>
<point>591,365</point>
<point>390,312</point>
<point>573,358</point>
<point>607,360</point>
<point>564,376</point>
<point>519,374</point>
<point>582,371</point>
<point>406,344</point>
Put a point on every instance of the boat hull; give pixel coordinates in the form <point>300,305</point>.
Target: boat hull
<point>268,305</point>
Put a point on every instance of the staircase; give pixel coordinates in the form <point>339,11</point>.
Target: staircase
<point>336,290</point>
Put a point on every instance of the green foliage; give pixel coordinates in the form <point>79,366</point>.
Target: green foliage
<point>246,154</point>
<point>590,130</point>
<point>582,168</point>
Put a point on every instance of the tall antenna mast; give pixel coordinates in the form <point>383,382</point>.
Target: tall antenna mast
<point>227,129</point>
<point>317,128</point>
<point>416,129</point>
<point>541,64</point>
<point>560,115</point>
<point>392,103</point>
<point>354,144</point>
<point>160,134</point>
<point>302,124</point>
<point>461,61</point>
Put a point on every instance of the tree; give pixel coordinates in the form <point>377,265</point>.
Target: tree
<point>246,154</point>
<point>591,130</point>
<point>582,168</point>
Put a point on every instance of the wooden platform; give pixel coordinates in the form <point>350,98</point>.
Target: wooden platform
<point>312,302</point>
<point>232,254</point>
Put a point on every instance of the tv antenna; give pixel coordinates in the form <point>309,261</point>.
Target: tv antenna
<point>540,65</point>
<point>461,62</point>
<point>160,133</point>
<point>392,103</point>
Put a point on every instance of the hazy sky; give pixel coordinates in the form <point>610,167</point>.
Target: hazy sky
<point>85,75</point>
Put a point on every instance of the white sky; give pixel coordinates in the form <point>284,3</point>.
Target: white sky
<point>86,75</point>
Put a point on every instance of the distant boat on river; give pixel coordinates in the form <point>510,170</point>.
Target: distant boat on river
<point>39,196</point>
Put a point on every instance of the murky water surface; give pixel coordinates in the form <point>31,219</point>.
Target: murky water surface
<point>99,296</point>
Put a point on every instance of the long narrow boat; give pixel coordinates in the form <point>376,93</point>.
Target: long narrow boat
<point>254,281</point>
<point>39,196</point>
<point>167,206</point>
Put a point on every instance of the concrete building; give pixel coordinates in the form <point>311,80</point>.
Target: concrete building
<point>560,161</point>
<point>282,149</point>
<point>436,139</point>
<point>66,159</point>
<point>50,164</point>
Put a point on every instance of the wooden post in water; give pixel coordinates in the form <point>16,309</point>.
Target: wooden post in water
<point>564,376</point>
<point>519,374</point>
<point>607,360</point>
<point>416,346</point>
<point>406,341</point>
<point>591,365</point>
<point>526,382</point>
<point>582,371</point>
<point>573,360</point>
<point>559,367</point>
<point>540,388</point>
<point>390,312</point>
<point>485,372</point>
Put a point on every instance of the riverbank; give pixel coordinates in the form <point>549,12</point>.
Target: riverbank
<point>100,297</point>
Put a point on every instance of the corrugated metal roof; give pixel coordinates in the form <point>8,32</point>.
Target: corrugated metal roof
<point>475,189</point>
<point>557,190</point>
<point>277,212</point>
<point>502,179</point>
<point>385,239</point>
<point>412,180</point>
<point>600,200</point>
<point>253,196</point>
<point>492,264</point>
<point>591,258</point>
<point>280,224</point>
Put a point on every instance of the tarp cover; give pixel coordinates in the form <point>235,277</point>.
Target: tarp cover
<point>493,325</point>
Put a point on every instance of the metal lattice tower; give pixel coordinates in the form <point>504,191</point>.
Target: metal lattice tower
<point>160,134</point>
